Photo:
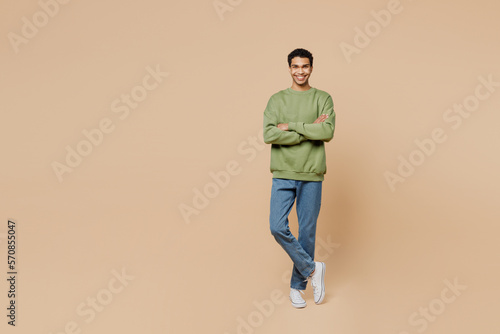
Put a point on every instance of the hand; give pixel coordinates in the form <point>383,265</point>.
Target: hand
<point>321,119</point>
<point>283,126</point>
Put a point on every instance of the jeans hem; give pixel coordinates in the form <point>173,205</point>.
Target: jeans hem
<point>310,272</point>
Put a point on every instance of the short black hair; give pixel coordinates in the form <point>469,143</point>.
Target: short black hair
<point>301,53</point>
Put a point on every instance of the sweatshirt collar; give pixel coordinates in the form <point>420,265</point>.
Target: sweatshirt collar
<point>292,91</point>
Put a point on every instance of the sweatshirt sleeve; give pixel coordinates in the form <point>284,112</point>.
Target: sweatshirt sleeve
<point>274,135</point>
<point>320,131</point>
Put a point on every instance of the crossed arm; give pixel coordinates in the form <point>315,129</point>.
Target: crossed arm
<point>320,119</point>
<point>294,133</point>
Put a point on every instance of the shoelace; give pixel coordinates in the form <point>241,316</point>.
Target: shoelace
<point>313,283</point>
<point>296,297</point>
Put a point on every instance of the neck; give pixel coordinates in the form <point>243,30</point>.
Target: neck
<point>300,88</point>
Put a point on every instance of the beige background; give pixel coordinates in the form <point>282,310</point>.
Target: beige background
<point>388,253</point>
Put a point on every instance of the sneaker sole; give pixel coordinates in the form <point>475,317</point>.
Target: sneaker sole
<point>322,296</point>
<point>298,305</point>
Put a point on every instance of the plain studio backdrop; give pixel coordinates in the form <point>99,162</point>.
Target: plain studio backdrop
<point>134,169</point>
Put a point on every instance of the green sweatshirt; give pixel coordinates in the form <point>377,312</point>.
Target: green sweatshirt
<point>299,153</point>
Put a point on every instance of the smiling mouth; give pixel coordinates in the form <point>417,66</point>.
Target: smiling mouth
<point>300,77</point>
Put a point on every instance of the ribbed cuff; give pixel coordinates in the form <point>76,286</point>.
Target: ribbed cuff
<point>294,125</point>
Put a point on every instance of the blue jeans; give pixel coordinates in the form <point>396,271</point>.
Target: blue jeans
<point>301,251</point>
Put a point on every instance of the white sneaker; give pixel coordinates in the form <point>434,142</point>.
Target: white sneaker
<point>296,298</point>
<point>318,282</point>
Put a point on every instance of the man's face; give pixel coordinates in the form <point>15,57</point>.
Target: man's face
<point>301,70</point>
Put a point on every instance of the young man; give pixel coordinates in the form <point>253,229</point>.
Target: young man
<point>297,122</point>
